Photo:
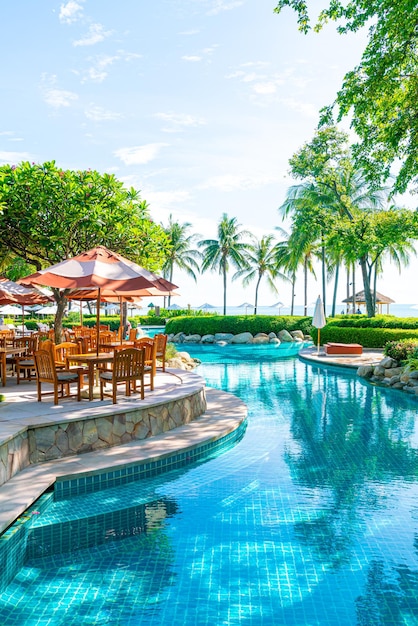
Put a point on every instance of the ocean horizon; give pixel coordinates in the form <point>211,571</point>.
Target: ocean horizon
<point>398,310</point>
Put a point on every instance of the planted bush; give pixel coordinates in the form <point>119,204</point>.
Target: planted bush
<point>402,350</point>
<point>235,324</point>
<point>367,337</point>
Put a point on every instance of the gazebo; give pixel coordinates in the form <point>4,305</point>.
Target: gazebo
<point>360,300</point>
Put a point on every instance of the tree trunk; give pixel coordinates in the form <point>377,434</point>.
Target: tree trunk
<point>354,287</point>
<point>305,286</point>
<point>366,285</point>
<point>334,296</point>
<point>293,293</point>
<point>61,300</point>
<point>324,279</point>
<point>347,306</point>
<point>256,294</point>
<point>224,275</point>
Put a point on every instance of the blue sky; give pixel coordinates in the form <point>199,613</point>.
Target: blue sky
<point>197,103</point>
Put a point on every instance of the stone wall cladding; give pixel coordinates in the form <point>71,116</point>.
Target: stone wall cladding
<point>46,443</point>
<point>54,442</point>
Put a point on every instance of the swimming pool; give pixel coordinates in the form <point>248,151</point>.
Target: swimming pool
<point>311,519</point>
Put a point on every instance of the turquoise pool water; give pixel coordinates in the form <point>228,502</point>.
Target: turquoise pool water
<point>311,519</point>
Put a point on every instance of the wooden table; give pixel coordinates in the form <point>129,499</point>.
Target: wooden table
<point>4,353</point>
<point>92,360</point>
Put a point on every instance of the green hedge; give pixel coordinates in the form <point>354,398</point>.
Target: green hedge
<point>209,325</point>
<point>367,337</point>
<point>379,321</point>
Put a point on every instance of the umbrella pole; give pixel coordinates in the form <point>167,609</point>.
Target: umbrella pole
<point>81,313</point>
<point>319,339</point>
<point>23,320</point>
<point>98,322</point>
<point>120,320</point>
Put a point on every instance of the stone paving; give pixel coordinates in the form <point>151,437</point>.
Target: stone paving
<point>353,361</point>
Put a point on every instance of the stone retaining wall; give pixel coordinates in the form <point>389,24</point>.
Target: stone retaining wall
<point>36,444</point>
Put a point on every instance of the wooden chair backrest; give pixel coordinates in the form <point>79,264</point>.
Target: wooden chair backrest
<point>31,343</point>
<point>62,352</point>
<point>150,346</point>
<point>132,334</point>
<point>45,366</point>
<point>128,364</point>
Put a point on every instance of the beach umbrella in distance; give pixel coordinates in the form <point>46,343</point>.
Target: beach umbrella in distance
<point>246,306</point>
<point>206,305</point>
<point>174,307</point>
<point>14,293</point>
<point>278,305</point>
<point>318,320</point>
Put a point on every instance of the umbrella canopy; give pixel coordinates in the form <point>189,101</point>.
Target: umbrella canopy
<point>101,269</point>
<point>318,320</point>
<point>96,269</point>
<point>47,310</point>
<point>206,305</point>
<point>11,309</point>
<point>174,307</point>
<point>14,293</point>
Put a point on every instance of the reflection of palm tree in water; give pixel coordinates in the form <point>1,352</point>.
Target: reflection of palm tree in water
<point>345,448</point>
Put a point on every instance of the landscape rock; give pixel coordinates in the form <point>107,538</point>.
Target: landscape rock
<point>284,336</point>
<point>242,338</point>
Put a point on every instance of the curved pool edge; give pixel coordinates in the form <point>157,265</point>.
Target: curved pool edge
<point>224,414</point>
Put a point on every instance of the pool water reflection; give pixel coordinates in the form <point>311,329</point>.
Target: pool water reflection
<point>311,519</point>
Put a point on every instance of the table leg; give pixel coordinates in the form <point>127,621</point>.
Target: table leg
<point>3,368</point>
<point>91,380</point>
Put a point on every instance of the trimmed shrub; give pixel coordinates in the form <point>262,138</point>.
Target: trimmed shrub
<point>367,337</point>
<point>209,325</point>
<point>402,350</point>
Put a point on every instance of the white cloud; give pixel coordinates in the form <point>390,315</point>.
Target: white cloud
<point>301,106</point>
<point>192,58</point>
<point>59,97</point>
<point>95,35</point>
<point>177,122</point>
<point>97,72</point>
<point>231,182</point>
<point>70,12</point>
<point>138,155</point>
<point>221,5</point>
<point>98,114</point>
<point>15,157</point>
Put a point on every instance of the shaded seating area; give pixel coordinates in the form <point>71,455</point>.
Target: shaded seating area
<point>128,369</point>
<point>60,379</point>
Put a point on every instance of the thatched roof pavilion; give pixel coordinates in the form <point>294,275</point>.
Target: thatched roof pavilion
<point>380,301</point>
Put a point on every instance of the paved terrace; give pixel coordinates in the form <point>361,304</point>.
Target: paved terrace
<point>20,410</point>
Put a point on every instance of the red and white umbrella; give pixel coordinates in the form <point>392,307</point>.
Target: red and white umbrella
<point>101,273</point>
<point>14,293</point>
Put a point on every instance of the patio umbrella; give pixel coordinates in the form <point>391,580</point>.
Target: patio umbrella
<point>318,320</point>
<point>14,293</point>
<point>11,309</point>
<point>100,269</point>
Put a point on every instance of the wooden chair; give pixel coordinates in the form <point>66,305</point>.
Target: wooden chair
<point>161,341</point>
<point>25,364</point>
<point>132,334</point>
<point>46,372</point>
<point>128,368</point>
<point>150,346</point>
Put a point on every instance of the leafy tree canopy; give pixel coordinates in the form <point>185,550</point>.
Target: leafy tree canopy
<point>48,214</point>
<point>381,92</point>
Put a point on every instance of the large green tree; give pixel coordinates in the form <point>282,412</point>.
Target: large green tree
<point>182,253</point>
<point>49,214</point>
<point>326,163</point>
<point>380,94</point>
<point>228,249</point>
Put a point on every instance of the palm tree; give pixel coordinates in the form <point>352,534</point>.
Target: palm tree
<point>261,261</point>
<point>182,254</point>
<point>228,248</point>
